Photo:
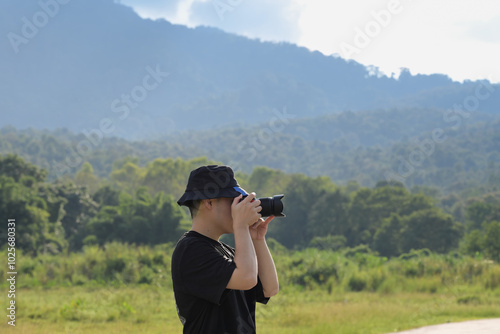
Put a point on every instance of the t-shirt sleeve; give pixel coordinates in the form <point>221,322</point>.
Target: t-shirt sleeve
<point>259,293</point>
<point>205,272</point>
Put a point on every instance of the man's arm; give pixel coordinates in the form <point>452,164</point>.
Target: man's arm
<point>267,270</point>
<point>245,275</point>
<point>244,213</point>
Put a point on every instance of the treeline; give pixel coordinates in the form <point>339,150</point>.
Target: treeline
<point>137,205</point>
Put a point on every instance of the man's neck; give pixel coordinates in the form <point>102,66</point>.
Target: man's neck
<point>205,229</point>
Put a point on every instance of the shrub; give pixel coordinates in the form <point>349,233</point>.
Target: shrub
<point>158,259</point>
<point>146,276</point>
<point>493,278</point>
<point>27,266</point>
<point>357,282</point>
<point>469,300</point>
<point>90,240</point>
<point>361,249</point>
<point>329,242</point>
<point>377,277</point>
<point>71,312</point>
<point>78,279</point>
<point>113,266</point>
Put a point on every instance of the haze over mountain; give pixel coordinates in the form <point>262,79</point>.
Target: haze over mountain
<point>90,64</point>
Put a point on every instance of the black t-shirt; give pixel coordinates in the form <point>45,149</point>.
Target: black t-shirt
<point>201,270</point>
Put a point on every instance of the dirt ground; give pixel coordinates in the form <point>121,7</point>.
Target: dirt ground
<point>488,326</point>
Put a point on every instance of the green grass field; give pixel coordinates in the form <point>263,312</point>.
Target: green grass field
<point>128,289</point>
<point>150,309</point>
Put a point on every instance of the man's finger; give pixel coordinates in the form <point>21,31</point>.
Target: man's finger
<point>258,223</point>
<point>236,200</point>
<point>268,220</point>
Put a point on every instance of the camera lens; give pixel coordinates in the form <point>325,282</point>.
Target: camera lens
<point>272,206</point>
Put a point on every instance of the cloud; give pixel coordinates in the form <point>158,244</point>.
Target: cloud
<point>269,20</point>
<point>427,36</point>
<point>486,31</point>
<point>154,9</point>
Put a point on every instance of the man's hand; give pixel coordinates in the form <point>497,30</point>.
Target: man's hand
<point>259,229</point>
<point>246,212</point>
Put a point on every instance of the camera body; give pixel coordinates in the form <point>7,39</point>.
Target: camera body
<point>271,206</point>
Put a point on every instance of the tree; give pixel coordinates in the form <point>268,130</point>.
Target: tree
<point>166,220</point>
<point>358,218</point>
<point>109,225</point>
<point>266,181</point>
<point>329,214</point>
<point>387,239</point>
<point>167,175</point>
<point>370,207</point>
<point>141,219</point>
<point>38,225</point>
<point>479,212</point>
<point>473,243</point>
<point>128,177</point>
<point>74,207</point>
<point>430,229</point>
<point>35,233</point>
<point>107,196</point>
<point>14,166</point>
<point>301,194</point>
<point>492,240</point>
<point>85,177</point>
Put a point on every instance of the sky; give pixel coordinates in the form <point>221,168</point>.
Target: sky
<point>459,38</point>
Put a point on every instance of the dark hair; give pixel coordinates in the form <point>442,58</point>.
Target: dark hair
<point>194,206</point>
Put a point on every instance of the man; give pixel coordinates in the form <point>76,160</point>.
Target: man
<point>216,286</point>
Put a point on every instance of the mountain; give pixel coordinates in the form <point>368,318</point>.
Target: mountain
<point>95,65</point>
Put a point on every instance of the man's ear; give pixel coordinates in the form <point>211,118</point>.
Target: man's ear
<point>207,203</point>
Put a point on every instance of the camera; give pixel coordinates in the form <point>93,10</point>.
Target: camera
<point>272,206</point>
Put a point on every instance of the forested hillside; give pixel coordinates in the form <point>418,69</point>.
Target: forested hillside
<point>136,204</point>
<point>418,147</point>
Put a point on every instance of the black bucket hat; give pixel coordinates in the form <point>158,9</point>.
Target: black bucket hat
<point>211,181</point>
